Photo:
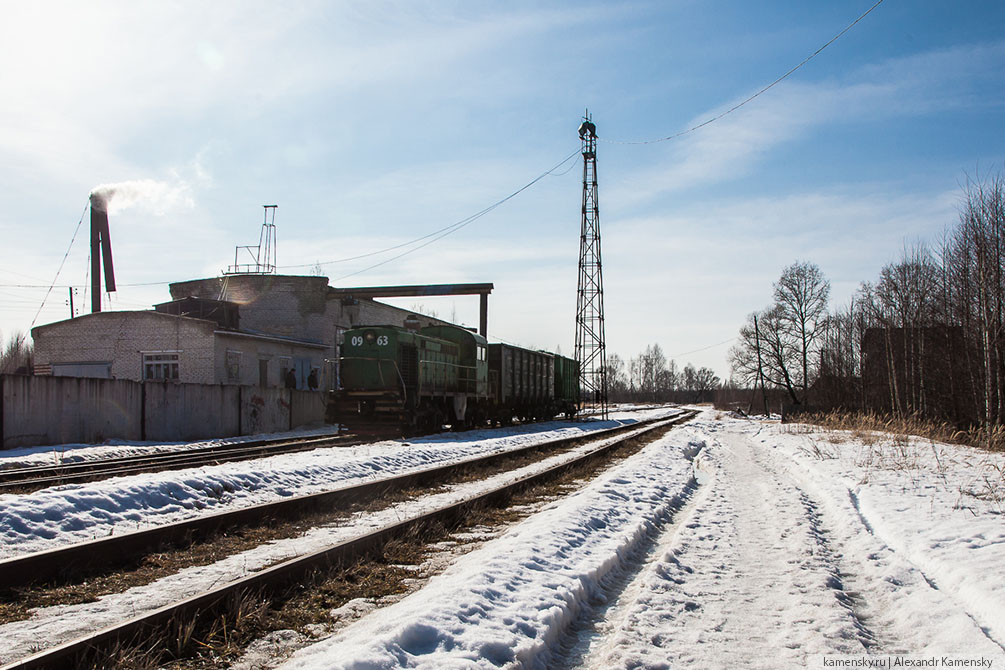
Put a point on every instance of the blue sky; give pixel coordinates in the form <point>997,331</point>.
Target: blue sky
<point>374,123</point>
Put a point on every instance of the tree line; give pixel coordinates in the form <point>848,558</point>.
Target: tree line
<point>651,377</point>
<point>926,337</point>
<point>16,355</point>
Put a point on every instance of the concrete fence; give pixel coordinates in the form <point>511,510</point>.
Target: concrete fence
<point>182,412</point>
<point>38,411</point>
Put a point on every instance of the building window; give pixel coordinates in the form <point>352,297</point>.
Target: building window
<point>284,370</point>
<point>233,366</point>
<point>160,366</point>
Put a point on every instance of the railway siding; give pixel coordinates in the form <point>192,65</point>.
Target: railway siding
<point>116,550</point>
<point>64,515</point>
<point>276,576</point>
<point>30,478</point>
<point>120,549</point>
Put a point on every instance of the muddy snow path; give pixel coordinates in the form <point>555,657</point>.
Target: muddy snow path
<point>767,567</point>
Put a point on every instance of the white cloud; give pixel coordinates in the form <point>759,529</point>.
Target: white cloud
<point>734,145</point>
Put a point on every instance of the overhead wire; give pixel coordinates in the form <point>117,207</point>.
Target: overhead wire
<point>453,228</point>
<point>755,95</point>
<point>436,234</point>
<point>60,269</point>
<point>442,232</point>
<point>711,346</point>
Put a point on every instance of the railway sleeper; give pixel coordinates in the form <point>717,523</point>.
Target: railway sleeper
<point>196,616</point>
<point>78,561</point>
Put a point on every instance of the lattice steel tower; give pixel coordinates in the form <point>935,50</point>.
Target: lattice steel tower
<point>591,349</point>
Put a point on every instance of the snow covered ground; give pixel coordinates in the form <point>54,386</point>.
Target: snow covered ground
<point>729,543</point>
<point>63,454</point>
<point>77,512</point>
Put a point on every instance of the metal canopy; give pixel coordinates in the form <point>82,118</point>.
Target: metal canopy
<point>482,290</point>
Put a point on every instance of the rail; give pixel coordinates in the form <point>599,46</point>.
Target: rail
<point>275,578</point>
<point>85,557</point>
<point>34,477</point>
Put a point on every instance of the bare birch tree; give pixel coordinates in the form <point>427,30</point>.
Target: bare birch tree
<point>801,295</point>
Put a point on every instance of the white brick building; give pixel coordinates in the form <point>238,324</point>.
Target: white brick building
<point>235,329</point>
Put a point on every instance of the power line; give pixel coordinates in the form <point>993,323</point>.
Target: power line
<point>442,232</point>
<point>60,269</point>
<point>436,235</point>
<point>454,227</point>
<point>741,104</point>
<point>153,283</point>
<point>711,346</point>
<point>36,286</point>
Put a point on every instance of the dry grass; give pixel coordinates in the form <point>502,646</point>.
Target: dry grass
<point>866,426</point>
<point>900,443</point>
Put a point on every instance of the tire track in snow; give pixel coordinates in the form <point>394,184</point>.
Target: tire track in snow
<point>748,579</point>
<point>900,603</point>
<point>574,646</point>
<point>850,599</point>
<point>966,603</point>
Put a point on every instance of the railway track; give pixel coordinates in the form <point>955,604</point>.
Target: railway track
<point>125,548</point>
<point>32,478</point>
<point>278,577</point>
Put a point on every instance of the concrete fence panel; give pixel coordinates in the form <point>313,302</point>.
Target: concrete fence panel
<point>42,410</point>
<point>264,410</point>
<point>308,407</point>
<point>182,412</point>
<point>39,411</point>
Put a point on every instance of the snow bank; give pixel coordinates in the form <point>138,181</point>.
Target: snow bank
<point>64,454</point>
<point>72,513</point>
<point>940,507</point>
<point>508,602</point>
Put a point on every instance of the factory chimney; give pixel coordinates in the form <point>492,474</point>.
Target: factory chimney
<point>101,248</point>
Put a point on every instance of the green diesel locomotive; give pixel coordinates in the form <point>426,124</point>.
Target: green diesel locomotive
<point>440,375</point>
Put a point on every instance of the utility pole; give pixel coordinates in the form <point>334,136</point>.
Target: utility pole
<point>760,372</point>
<point>591,348</point>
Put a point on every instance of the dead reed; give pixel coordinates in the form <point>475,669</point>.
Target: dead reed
<point>864,425</point>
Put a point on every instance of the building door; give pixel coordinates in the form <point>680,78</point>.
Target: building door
<point>303,368</point>
<point>263,372</point>
<point>337,371</point>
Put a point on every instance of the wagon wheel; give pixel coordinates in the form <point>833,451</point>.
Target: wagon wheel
<point>436,420</point>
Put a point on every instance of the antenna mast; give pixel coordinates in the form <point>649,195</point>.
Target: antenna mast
<point>263,255</point>
<point>591,348</point>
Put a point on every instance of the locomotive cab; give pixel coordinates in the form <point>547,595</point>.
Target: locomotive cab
<point>375,360</point>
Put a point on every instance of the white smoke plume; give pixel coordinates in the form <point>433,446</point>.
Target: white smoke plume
<point>156,196</point>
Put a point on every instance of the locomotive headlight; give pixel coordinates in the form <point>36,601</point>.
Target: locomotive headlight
<point>370,336</point>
